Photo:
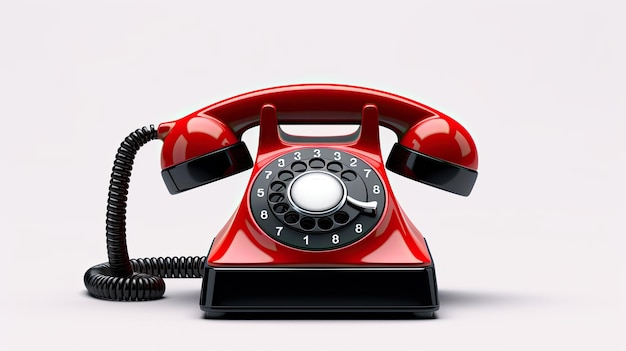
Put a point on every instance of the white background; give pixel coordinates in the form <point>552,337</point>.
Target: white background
<point>533,259</point>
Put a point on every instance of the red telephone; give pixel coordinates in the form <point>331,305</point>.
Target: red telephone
<point>319,229</point>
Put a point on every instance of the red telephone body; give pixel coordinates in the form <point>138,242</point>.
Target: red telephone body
<point>319,228</point>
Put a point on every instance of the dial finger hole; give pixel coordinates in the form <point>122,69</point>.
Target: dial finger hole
<point>277,186</point>
<point>307,223</point>
<point>334,167</point>
<point>348,176</point>
<point>276,197</point>
<point>285,176</point>
<point>341,217</point>
<point>316,163</point>
<point>281,208</point>
<point>292,217</point>
<point>298,167</point>
<point>325,223</point>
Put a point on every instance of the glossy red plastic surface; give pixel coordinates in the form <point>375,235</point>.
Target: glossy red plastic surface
<point>192,137</point>
<point>394,241</point>
<point>444,139</point>
<point>321,103</point>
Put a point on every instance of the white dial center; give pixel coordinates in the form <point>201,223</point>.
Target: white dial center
<point>316,192</point>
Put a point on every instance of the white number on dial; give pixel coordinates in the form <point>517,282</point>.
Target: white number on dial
<point>337,156</point>
<point>317,153</point>
<point>376,189</point>
<point>278,230</point>
<point>297,155</point>
<point>260,192</point>
<point>306,240</point>
<point>335,239</point>
<point>367,172</point>
<point>358,228</point>
<point>268,174</point>
<point>263,214</point>
<point>353,162</point>
<point>281,162</point>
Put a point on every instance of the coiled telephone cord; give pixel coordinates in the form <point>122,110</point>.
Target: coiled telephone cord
<point>121,278</point>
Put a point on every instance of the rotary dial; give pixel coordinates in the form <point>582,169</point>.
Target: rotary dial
<point>317,199</point>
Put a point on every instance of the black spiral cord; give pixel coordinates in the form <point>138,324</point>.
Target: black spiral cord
<point>123,279</point>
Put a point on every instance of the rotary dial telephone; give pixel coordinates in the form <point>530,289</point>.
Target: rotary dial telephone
<point>318,229</point>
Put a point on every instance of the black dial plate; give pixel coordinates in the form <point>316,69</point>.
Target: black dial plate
<point>278,218</point>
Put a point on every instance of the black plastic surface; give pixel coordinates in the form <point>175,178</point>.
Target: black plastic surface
<point>207,168</point>
<point>227,290</point>
<point>432,171</point>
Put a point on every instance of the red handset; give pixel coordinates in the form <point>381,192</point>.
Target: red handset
<point>319,229</point>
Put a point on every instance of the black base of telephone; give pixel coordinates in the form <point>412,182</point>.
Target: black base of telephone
<point>252,290</point>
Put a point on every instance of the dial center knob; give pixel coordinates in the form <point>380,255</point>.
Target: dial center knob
<point>317,192</point>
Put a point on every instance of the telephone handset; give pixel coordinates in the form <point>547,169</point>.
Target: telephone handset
<point>318,229</point>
